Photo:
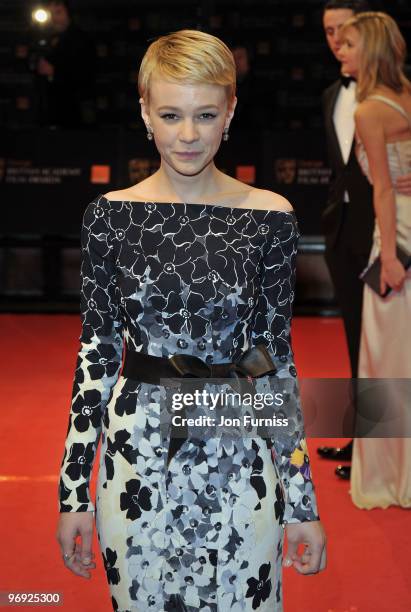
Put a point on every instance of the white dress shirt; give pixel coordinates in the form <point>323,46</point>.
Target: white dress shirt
<point>344,121</point>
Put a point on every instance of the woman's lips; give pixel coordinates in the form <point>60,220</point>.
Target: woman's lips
<point>188,155</point>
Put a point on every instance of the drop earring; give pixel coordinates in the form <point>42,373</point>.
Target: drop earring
<point>226,135</point>
<point>149,132</point>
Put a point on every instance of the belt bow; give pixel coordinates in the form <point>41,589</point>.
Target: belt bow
<point>254,362</point>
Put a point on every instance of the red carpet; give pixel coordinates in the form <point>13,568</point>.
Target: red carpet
<point>368,563</point>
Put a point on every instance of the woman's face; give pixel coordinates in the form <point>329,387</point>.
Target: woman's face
<point>350,51</point>
<point>188,122</point>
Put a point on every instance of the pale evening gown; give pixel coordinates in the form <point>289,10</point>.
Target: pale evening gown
<point>381,466</point>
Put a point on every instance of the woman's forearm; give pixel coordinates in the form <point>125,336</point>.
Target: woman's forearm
<point>385,212</point>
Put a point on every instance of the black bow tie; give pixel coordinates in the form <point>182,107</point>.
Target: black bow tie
<point>346,80</point>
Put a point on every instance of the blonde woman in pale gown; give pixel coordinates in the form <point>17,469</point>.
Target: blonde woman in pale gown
<point>373,51</point>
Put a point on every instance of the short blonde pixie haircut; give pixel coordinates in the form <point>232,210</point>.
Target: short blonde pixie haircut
<point>188,56</point>
<point>383,52</point>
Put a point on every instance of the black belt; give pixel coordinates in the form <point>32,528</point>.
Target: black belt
<point>253,363</point>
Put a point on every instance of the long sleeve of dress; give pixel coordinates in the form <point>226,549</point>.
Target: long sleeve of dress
<point>272,327</point>
<point>98,361</point>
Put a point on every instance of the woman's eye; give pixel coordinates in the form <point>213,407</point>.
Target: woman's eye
<point>168,116</point>
<point>208,116</point>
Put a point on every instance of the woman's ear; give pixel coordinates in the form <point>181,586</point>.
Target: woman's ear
<point>144,113</point>
<point>230,112</point>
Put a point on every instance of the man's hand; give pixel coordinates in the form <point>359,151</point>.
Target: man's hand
<point>310,534</point>
<point>403,184</point>
<point>45,68</point>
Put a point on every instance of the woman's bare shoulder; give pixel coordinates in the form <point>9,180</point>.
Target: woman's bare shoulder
<point>135,193</point>
<point>269,200</point>
<point>124,195</point>
<point>368,108</point>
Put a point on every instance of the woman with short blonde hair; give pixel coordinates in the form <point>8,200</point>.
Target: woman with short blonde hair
<point>192,274</point>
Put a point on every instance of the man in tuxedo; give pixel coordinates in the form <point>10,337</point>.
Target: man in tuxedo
<point>348,219</point>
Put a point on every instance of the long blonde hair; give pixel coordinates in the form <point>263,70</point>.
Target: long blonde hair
<point>189,56</point>
<point>382,54</point>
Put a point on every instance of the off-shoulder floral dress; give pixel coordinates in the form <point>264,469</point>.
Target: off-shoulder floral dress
<point>205,532</point>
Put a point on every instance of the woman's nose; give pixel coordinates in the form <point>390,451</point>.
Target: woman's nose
<point>188,131</point>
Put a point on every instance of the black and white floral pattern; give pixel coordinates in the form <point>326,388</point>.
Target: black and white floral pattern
<point>204,534</point>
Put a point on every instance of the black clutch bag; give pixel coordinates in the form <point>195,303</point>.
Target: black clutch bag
<point>371,274</point>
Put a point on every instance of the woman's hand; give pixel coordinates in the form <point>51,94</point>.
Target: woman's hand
<point>70,525</point>
<point>311,534</point>
<point>392,274</point>
<point>403,184</point>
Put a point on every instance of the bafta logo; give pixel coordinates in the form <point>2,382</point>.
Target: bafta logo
<point>285,171</point>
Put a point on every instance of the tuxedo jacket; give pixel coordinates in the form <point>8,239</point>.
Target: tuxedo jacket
<point>358,213</point>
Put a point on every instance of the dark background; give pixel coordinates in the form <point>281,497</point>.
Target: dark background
<point>48,173</point>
